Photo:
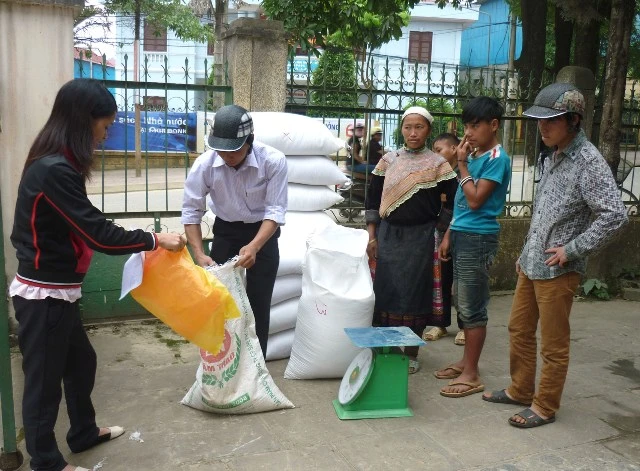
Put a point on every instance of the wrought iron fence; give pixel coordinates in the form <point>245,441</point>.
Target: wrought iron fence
<point>628,172</point>
<point>141,168</point>
<point>378,89</point>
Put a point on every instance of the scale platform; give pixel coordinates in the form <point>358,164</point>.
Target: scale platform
<point>376,382</point>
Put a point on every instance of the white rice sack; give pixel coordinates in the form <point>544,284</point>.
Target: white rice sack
<point>283,316</point>
<point>294,134</point>
<point>314,170</point>
<point>311,198</point>
<point>310,220</point>
<point>293,238</point>
<point>236,380</point>
<point>286,287</point>
<point>291,254</point>
<point>279,345</point>
<point>337,292</point>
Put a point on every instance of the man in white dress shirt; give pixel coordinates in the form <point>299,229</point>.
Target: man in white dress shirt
<point>247,183</point>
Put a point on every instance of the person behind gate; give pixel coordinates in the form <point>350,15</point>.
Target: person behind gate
<point>247,184</point>
<point>577,210</point>
<point>55,231</point>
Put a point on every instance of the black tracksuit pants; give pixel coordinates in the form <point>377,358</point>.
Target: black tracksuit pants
<point>228,239</point>
<point>55,349</point>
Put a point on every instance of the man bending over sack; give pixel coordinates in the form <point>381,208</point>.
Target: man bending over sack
<point>247,183</point>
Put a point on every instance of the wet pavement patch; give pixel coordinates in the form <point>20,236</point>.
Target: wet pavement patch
<point>625,368</point>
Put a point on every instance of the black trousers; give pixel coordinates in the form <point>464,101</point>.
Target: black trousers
<point>55,349</point>
<point>228,239</point>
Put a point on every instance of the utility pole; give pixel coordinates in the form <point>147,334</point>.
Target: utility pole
<point>136,93</point>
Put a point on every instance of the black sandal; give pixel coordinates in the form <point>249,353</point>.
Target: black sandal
<point>531,419</point>
<point>500,397</point>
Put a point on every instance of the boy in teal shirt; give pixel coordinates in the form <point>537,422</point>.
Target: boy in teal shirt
<point>472,238</point>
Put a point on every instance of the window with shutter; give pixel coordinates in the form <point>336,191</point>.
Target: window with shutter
<point>420,44</point>
<point>155,40</point>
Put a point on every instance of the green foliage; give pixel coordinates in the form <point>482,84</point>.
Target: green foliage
<point>453,3</point>
<point>170,14</point>
<point>86,13</point>
<point>215,99</point>
<point>336,74</point>
<point>596,288</point>
<point>354,24</point>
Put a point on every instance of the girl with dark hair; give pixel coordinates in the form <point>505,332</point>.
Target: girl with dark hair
<point>55,230</point>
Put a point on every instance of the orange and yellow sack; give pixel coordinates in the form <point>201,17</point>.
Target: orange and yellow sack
<point>186,297</point>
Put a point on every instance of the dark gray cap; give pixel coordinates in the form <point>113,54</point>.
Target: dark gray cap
<point>557,99</point>
<point>232,125</point>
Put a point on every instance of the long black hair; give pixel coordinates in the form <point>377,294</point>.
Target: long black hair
<point>69,127</point>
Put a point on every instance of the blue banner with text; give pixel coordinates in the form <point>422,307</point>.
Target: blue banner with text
<point>175,132</point>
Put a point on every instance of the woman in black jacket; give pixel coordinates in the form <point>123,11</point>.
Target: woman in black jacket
<point>55,231</point>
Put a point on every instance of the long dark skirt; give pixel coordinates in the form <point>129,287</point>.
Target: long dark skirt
<point>404,278</point>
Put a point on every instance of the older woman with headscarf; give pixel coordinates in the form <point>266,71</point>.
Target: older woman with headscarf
<point>404,200</point>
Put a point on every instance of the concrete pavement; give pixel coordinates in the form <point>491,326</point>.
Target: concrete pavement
<point>143,373</point>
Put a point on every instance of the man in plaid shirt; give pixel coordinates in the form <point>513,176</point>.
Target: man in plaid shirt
<point>577,210</point>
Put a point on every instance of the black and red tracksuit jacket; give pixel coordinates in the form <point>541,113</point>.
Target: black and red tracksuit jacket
<point>56,228</point>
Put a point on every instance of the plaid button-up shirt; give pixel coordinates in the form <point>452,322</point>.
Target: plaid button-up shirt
<point>577,205</point>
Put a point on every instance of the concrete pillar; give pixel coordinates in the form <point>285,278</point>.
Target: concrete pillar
<point>584,79</point>
<point>36,59</point>
<point>256,53</point>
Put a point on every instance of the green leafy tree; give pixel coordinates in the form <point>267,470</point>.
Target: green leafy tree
<point>336,75</point>
<point>359,25</point>
<point>356,24</point>
<point>160,14</point>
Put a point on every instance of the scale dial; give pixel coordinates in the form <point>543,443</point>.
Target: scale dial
<point>356,377</point>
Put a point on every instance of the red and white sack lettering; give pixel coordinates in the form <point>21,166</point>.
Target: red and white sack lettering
<point>235,380</point>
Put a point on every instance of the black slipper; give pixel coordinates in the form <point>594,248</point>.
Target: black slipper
<point>531,419</point>
<point>114,432</point>
<point>500,397</point>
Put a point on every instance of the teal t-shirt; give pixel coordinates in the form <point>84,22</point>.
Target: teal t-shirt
<point>493,165</point>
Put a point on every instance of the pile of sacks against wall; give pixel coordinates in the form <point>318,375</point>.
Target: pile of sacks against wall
<point>312,176</point>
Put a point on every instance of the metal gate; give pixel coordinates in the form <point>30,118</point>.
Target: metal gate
<point>377,90</point>
<point>143,188</point>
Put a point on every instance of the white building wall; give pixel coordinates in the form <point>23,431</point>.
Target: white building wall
<point>393,70</point>
<point>173,61</point>
<point>446,24</point>
<point>36,47</point>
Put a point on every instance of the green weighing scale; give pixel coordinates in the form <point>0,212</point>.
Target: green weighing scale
<point>376,382</point>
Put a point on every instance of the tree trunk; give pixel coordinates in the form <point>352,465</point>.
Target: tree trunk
<point>587,40</point>
<point>563,36</point>
<point>531,62</point>
<point>219,58</point>
<point>620,28</point>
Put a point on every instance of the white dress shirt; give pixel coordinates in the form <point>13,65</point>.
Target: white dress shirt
<point>254,192</point>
